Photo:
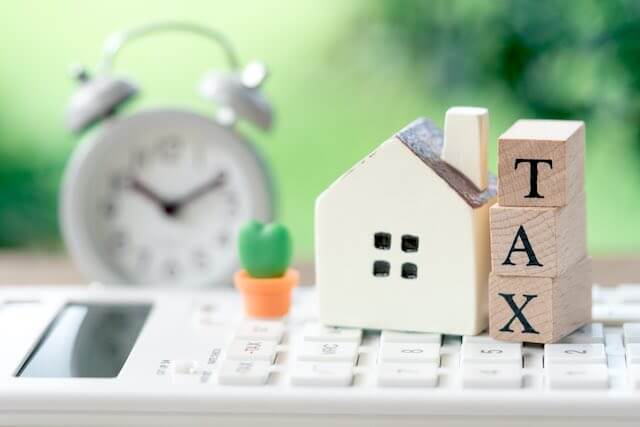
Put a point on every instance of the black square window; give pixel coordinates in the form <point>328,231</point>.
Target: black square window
<point>381,268</point>
<point>409,270</point>
<point>410,243</point>
<point>382,240</point>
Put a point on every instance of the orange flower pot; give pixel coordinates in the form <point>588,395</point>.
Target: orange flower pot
<point>266,297</point>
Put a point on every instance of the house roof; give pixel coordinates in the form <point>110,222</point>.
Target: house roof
<point>426,141</point>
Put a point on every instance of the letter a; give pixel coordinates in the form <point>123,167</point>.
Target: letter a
<point>526,247</point>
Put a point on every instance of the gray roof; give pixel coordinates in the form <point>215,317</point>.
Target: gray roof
<point>426,141</point>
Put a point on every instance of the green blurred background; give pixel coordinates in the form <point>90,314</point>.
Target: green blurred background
<point>345,75</point>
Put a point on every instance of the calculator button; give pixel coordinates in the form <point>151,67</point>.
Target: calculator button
<point>409,353</point>
<point>329,352</point>
<point>592,333</point>
<point>408,375</point>
<point>404,337</point>
<point>252,350</point>
<point>184,367</point>
<point>617,313</point>
<point>480,339</point>
<point>208,314</point>
<point>319,332</point>
<point>579,377</point>
<point>634,376</point>
<point>261,330</point>
<point>491,376</point>
<point>633,354</point>
<point>629,293</point>
<point>601,294</point>
<point>244,372</point>
<point>631,333</point>
<point>561,354</point>
<point>322,374</point>
<point>492,353</point>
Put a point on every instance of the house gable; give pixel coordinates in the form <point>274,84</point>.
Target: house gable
<point>424,140</point>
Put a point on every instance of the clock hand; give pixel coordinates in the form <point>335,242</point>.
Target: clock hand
<point>217,182</point>
<point>168,208</point>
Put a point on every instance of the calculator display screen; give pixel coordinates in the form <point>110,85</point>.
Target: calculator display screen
<point>87,341</point>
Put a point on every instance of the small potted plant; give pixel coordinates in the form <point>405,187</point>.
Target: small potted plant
<point>265,280</point>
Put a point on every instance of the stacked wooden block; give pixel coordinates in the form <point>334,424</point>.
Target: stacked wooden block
<point>540,286</point>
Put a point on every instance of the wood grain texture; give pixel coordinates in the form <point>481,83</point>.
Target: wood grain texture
<point>561,305</point>
<point>559,141</point>
<point>557,238</point>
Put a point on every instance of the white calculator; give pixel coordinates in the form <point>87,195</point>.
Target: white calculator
<point>72,356</point>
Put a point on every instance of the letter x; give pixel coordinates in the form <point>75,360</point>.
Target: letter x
<point>517,314</point>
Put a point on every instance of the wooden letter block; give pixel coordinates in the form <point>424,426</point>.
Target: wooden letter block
<point>541,163</point>
<point>538,242</point>
<point>540,309</point>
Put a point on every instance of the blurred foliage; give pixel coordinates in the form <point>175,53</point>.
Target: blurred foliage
<point>346,74</point>
<point>560,59</point>
<point>28,197</point>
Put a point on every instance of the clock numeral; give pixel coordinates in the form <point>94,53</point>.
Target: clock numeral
<point>117,181</point>
<point>198,155</point>
<point>232,204</point>
<point>201,259</point>
<point>118,240</point>
<point>171,269</point>
<point>169,148</point>
<point>222,238</point>
<point>108,209</point>
<point>139,159</point>
<point>143,259</point>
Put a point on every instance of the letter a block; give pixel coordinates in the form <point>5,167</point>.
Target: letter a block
<point>538,242</point>
<point>541,163</point>
<point>540,309</point>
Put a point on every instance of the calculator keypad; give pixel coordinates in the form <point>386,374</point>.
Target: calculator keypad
<point>330,351</point>
<point>631,333</point>
<point>409,337</point>
<point>244,372</point>
<point>317,332</point>
<point>592,333</point>
<point>261,330</point>
<point>572,354</point>
<point>252,353</point>
<point>252,350</point>
<point>580,376</point>
<point>492,353</point>
<point>409,353</point>
<point>322,374</point>
<point>316,355</point>
<point>491,376</point>
<point>407,375</point>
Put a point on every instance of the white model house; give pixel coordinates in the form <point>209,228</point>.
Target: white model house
<point>402,239</point>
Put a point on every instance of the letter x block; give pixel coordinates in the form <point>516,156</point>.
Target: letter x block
<point>540,309</point>
<point>541,163</point>
<point>538,242</point>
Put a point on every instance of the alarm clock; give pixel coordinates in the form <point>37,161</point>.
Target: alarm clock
<point>156,197</point>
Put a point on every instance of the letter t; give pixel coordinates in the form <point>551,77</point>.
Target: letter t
<point>533,175</point>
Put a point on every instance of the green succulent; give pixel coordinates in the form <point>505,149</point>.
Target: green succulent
<point>265,249</point>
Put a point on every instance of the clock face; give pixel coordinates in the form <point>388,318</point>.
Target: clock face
<point>158,197</point>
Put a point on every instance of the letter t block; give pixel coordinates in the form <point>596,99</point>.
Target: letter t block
<point>541,163</point>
